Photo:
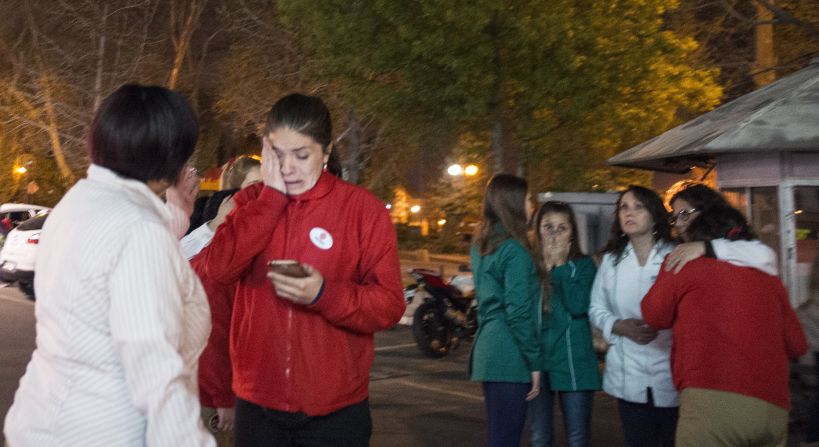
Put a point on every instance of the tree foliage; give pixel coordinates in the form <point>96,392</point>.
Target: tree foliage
<point>545,89</point>
<point>557,88</point>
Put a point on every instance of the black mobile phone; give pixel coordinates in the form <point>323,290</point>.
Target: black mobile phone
<point>287,267</point>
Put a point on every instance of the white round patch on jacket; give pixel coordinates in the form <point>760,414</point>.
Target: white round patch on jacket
<point>321,238</point>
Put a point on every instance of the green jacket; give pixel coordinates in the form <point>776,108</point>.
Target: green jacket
<point>506,348</point>
<point>566,334</point>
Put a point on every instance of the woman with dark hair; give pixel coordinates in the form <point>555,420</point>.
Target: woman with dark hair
<point>687,204</point>
<point>734,331</point>
<point>505,355</point>
<point>301,344</point>
<point>637,371</point>
<point>568,353</point>
<point>121,317</point>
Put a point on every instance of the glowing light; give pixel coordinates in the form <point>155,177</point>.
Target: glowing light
<point>470,170</point>
<point>415,209</point>
<point>441,222</point>
<point>455,170</point>
<point>389,206</point>
<point>20,170</point>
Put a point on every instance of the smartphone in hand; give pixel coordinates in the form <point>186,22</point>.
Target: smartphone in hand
<point>287,267</point>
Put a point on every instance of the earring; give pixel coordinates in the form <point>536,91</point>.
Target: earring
<point>324,168</point>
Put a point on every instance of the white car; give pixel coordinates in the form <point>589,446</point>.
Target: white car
<point>18,212</point>
<point>19,253</point>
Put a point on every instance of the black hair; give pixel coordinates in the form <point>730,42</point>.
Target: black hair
<point>144,133</point>
<point>307,115</point>
<point>654,204</point>
<point>504,204</point>
<point>699,196</point>
<point>720,221</point>
<point>560,208</point>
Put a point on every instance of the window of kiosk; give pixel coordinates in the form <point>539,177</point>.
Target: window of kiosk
<point>806,213</point>
<point>765,216</point>
<point>761,207</point>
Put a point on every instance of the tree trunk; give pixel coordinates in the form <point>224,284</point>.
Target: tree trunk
<point>496,107</point>
<point>100,59</point>
<point>352,162</point>
<point>765,64</point>
<point>181,37</point>
<point>54,133</point>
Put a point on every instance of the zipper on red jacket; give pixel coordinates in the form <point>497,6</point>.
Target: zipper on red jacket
<point>293,227</point>
<point>288,359</point>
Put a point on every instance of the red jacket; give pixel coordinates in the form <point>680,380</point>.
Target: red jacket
<point>314,359</point>
<point>734,329</point>
<point>215,374</point>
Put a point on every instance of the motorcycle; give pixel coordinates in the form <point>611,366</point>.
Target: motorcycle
<point>447,314</point>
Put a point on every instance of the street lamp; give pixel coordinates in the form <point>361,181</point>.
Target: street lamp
<point>456,170</point>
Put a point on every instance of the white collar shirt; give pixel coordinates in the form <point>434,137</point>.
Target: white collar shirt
<point>632,368</point>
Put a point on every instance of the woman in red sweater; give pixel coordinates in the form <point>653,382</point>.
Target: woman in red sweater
<point>734,331</point>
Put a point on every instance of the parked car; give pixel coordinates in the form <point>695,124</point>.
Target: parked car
<point>19,253</point>
<point>18,212</point>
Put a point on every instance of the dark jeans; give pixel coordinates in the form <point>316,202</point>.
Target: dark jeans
<point>645,425</point>
<point>505,412</point>
<point>262,427</point>
<point>812,433</point>
<point>576,407</point>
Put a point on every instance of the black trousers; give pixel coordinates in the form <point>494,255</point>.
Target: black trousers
<point>263,427</point>
<point>646,425</point>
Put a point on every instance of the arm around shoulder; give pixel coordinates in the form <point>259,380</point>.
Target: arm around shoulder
<point>751,253</point>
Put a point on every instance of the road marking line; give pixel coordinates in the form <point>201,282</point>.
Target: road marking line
<point>17,300</point>
<point>394,347</point>
<point>437,390</point>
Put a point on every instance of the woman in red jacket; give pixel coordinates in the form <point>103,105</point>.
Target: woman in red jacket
<point>734,331</point>
<point>302,347</point>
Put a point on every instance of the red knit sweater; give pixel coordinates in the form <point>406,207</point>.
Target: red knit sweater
<point>734,329</point>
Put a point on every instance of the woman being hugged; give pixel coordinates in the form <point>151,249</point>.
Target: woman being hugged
<point>734,334</point>
<point>506,354</point>
<point>568,352</point>
<point>637,371</point>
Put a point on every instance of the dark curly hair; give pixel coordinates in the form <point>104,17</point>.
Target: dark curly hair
<point>699,196</point>
<point>720,221</point>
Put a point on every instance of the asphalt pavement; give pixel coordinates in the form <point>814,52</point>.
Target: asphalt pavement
<point>415,400</point>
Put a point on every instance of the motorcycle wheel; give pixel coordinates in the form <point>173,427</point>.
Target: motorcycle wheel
<point>431,330</point>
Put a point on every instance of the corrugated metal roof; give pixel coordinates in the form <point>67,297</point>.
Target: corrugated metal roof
<point>782,116</point>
